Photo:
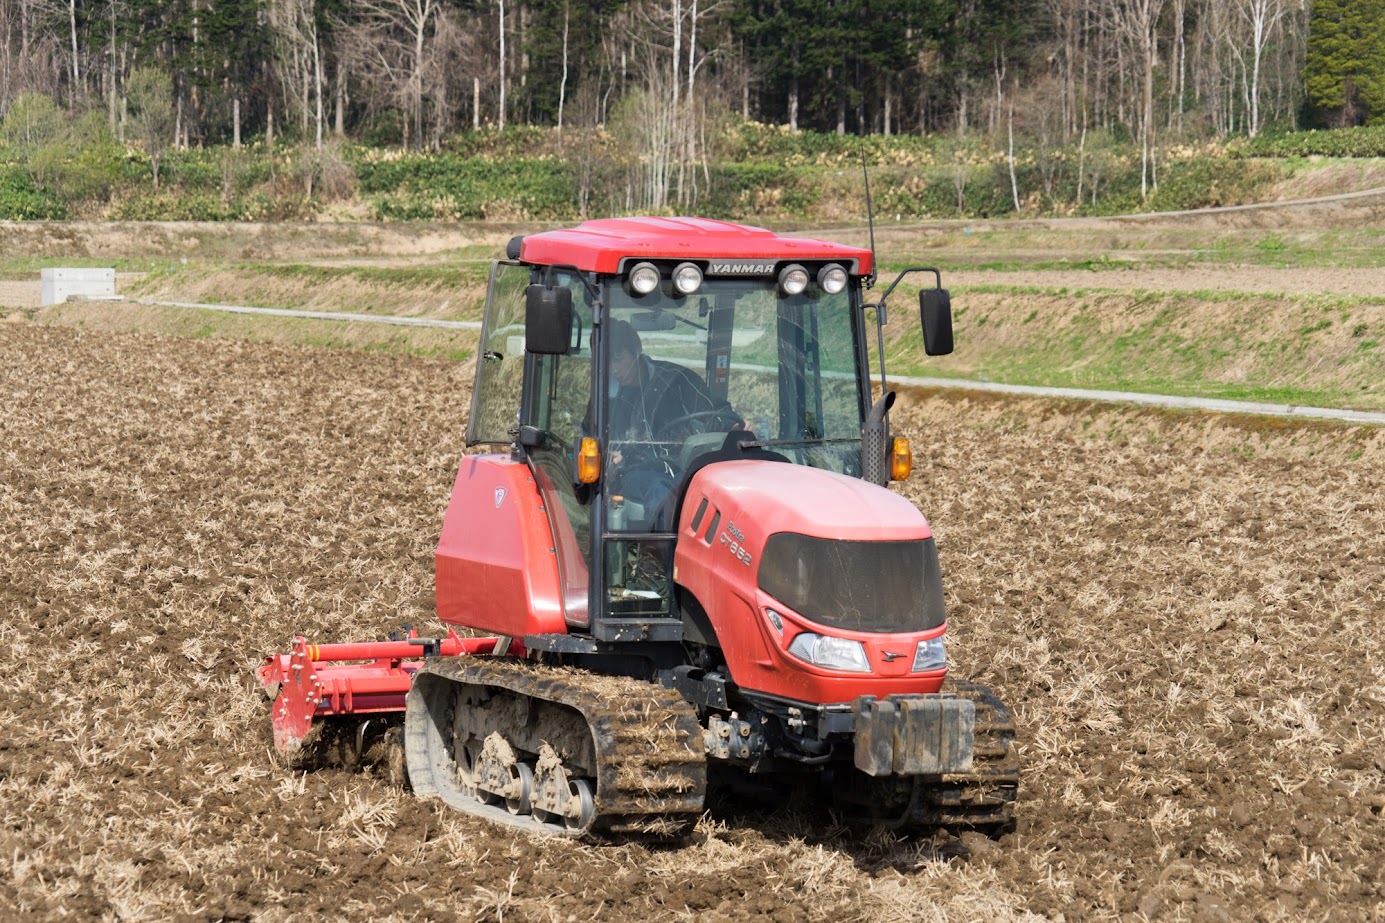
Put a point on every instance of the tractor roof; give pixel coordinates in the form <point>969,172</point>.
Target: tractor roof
<point>599,246</point>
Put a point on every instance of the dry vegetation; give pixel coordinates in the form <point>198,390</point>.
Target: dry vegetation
<point>1183,611</point>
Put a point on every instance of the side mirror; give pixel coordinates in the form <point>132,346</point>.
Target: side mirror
<point>547,320</point>
<point>935,312</point>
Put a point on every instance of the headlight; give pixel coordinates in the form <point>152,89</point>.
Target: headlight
<point>644,278</point>
<point>832,278</point>
<point>687,278</point>
<point>833,653</point>
<point>793,279</point>
<point>930,656</point>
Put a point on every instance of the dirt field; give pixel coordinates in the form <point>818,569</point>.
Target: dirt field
<point>1184,613</point>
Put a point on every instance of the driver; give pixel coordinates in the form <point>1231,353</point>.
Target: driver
<point>654,406</point>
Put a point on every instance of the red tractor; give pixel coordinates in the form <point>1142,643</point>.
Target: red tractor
<point>685,556</point>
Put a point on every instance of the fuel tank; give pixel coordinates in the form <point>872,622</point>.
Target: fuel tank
<point>847,559</point>
<point>496,562</point>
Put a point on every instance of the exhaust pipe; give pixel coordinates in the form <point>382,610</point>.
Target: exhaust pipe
<point>875,442</point>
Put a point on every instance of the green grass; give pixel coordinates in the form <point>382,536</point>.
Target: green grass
<point>1320,353</point>
<point>26,268</point>
<point>1023,247</point>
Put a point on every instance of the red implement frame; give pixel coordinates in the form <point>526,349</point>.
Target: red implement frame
<point>314,681</point>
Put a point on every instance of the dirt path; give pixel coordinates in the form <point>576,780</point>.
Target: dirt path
<point>1368,283</point>
<point>1184,615</point>
<point>16,294</point>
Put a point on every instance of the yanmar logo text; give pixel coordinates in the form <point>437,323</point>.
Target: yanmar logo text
<point>740,268</point>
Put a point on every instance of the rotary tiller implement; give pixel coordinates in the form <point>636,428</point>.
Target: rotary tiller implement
<point>332,702</point>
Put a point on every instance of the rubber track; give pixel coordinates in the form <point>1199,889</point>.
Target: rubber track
<point>651,774</point>
<point>984,797</point>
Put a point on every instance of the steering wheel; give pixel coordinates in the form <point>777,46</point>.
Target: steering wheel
<point>706,416</point>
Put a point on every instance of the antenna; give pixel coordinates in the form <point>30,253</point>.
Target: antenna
<point>870,215</point>
<point>870,282</point>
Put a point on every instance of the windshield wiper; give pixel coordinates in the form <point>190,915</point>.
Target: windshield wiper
<point>762,443</point>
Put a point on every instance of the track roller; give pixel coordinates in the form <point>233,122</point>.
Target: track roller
<point>554,748</point>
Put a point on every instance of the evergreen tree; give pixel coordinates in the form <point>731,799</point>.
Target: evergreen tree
<point>1344,69</point>
<point>824,64</point>
<point>229,61</point>
<point>544,43</point>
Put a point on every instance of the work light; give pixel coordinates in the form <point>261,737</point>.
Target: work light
<point>644,278</point>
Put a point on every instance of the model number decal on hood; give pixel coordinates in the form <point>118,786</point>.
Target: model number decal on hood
<point>733,540</point>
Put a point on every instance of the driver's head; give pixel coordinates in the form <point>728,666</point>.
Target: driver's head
<point>625,353</point>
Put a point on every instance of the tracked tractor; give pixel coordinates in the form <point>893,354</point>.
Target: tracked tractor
<point>655,589</point>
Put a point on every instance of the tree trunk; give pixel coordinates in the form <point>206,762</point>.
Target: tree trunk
<point>339,128</point>
<point>793,90</point>
<point>112,94</point>
<point>502,65</point>
<point>562,85</point>
<point>72,20</point>
<point>318,80</point>
<point>416,79</point>
<point>1014,182</point>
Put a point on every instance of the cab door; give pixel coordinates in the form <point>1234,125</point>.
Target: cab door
<point>496,397</point>
<point>551,393</point>
<point>557,404</point>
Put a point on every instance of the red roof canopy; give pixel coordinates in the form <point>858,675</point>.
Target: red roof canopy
<point>599,246</point>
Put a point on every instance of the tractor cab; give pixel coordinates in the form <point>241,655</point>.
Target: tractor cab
<point>620,357</point>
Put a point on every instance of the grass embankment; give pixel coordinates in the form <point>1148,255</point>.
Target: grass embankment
<point>454,290</point>
<point>1286,349</point>
<point>1002,247</point>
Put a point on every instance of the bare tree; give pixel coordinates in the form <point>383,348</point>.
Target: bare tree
<point>1262,17</point>
<point>562,84</point>
<point>1067,35</point>
<point>670,57</point>
<point>501,5</point>
<point>397,34</point>
<point>152,119</point>
<point>1137,22</point>
<point>298,59</point>
<point>445,57</point>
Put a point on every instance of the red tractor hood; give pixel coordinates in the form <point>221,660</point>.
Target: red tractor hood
<point>728,516</point>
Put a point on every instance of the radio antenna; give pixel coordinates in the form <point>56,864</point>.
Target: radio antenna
<point>870,215</point>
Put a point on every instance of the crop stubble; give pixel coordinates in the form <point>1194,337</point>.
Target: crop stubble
<point>1184,613</point>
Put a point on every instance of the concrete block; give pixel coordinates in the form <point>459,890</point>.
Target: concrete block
<point>58,285</point>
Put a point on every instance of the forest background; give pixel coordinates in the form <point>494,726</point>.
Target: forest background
<point>764,109</point>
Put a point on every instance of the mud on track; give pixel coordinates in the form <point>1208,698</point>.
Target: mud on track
<point>1184,613</point>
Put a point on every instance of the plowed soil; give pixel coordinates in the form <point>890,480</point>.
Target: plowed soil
<point>1185,614</point>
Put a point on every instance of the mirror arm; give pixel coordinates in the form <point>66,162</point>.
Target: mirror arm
<point>937,278</point>
<point>577,273</point>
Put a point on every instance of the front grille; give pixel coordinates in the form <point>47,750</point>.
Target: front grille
<point>878,587</point>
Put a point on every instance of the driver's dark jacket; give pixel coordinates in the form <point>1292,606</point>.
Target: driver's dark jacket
<point>642,413</point>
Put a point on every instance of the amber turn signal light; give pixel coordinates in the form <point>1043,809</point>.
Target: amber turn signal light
<point>901,459</point>
<point>588,461</point>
